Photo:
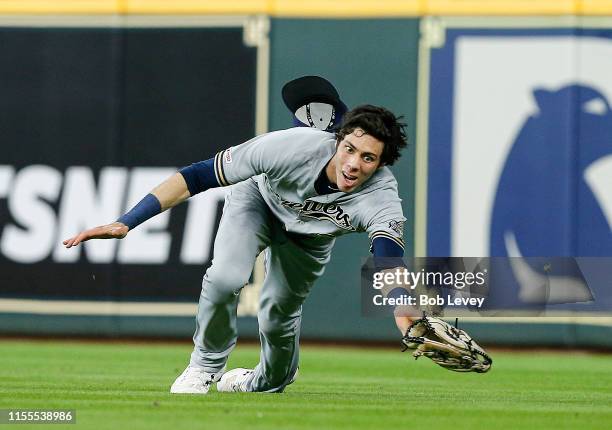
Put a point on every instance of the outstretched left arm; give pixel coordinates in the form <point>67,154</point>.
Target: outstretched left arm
<point>169,193</point>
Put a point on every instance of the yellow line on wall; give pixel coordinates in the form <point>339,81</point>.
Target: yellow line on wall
<point>170,7</point>
<point>312,8</point>
<point>350,9</point>
<point>501,7</point>
<point>60,6</point>
<point>594,7</point>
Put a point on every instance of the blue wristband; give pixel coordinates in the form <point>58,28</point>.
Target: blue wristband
<point>147,208</point>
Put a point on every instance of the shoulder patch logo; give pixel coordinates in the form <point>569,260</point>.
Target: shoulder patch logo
<point>397,226</point>
<point>227,156</point>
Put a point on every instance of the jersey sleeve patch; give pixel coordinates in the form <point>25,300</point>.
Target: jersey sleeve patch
<point>397,226</point>
<point>219,171</point>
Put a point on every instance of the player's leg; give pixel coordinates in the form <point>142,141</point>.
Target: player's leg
<point>244,231</point>
<point>293,267</point>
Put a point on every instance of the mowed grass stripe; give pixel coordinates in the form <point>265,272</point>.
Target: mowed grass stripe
<point>123,385</point>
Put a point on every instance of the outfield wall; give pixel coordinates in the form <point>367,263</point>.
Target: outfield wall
<point>99,108</point>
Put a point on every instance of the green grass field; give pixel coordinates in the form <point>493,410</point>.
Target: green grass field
<point>124,385</point>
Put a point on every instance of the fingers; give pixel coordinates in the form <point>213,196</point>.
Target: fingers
<point>69,242</point>
<point>74,241</point>
<point>109,231</point>
<point>83,237</point>
<point>80,238</point>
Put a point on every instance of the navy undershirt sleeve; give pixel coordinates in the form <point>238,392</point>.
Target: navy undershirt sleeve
<point>200,176</point>
<point>383,247</point>
<point>387,254</point>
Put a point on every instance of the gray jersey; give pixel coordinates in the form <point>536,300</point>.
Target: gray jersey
<point>274,177</point>
<point>286,165</point>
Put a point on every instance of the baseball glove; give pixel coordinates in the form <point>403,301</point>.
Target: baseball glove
<point>447,346</point>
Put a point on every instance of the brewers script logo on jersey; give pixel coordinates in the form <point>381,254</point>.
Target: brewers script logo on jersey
<point>520,163</point>
<point>322,211</point>
<point>316,210</point>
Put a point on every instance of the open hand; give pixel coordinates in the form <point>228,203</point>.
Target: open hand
<point>114,230</point>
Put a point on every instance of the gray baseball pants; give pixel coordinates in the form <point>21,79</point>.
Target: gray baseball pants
<point>293,264</point>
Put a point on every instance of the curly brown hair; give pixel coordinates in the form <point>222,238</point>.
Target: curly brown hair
<point>380,123</point>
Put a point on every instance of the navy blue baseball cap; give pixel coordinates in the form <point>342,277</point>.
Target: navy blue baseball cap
<point>314,102</point>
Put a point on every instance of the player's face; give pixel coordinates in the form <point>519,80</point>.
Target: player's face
<point>356,159</point>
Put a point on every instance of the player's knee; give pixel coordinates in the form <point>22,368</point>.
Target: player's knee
<point>278,331</point>
<point>222,286</point>
<point>227,280</point>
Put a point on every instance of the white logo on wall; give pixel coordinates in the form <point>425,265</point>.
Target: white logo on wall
<point>38,229</point>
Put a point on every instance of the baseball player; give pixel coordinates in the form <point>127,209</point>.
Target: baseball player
<point>315,102</point>
<point>292,191</point>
